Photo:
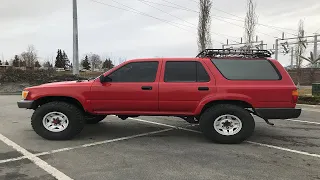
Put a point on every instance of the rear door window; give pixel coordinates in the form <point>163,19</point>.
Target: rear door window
<point>238,69</point>
<point>185,71</point>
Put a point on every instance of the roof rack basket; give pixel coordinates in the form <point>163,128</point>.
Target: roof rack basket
<point>245,53</point>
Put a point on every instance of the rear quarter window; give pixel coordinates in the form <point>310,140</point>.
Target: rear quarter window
<point>239,69</point>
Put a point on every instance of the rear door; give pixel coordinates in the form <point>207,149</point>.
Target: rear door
<point>182,85</point>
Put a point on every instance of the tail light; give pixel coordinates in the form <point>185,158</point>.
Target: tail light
<point>295,95</point>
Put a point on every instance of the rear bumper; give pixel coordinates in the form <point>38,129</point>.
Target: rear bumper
<point>278,113</point>
<point>25,104</point>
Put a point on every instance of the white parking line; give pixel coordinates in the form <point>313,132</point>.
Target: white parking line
<point>302,121</point>
<point>284,149</point>
<point>311,110</point>
<point>86,145</point>
<point>103,142</point>
<point>293,120</point>
<point>39,162</point>
<point>171,127</point>
<point>251,142</point>
<point>12,159</point>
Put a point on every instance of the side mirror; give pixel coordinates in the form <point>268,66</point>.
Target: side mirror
<point>104,79</point>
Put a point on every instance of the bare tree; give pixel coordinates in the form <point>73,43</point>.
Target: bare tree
<point>47,64</point>
<point>29,56</point>
<point>313,62</point>
<point>300,49</point>
<point>250,23</point>
<point>204,38</point>
<point>95,61</point>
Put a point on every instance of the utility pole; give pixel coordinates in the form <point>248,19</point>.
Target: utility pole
<point>276,49</point>
<point>315,54</point>
<point>75,68</point>
<point>291,64</point>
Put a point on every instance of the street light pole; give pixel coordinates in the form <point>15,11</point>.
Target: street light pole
<point>75,69</point>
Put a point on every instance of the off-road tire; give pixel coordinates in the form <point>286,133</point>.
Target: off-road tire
<point>209,116</point>
<point>91,119</point>
<point>74,115</point>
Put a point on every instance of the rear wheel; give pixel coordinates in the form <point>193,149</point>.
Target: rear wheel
<point>57,121</point>
<point>94,119</point>
<point>227,124</point>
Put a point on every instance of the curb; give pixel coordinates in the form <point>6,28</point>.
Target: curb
<point>11,93</point>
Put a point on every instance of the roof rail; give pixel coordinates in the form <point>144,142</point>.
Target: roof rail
<point>246,53</point>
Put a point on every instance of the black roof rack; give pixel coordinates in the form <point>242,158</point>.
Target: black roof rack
<point>246,53</point>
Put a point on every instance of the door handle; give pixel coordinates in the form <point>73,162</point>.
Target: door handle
<point>146,87</point>
<point>203,88</point>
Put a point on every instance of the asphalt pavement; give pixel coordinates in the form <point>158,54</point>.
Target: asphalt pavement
<point>158,148</point>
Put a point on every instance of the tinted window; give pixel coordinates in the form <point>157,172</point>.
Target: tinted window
<point>202,75</point>
<point>190,71</point>
<point>136,72</point>
<point>247,69</point>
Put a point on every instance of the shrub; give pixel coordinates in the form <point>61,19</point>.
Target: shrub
<point>12,75</point>
<point>314,100</point>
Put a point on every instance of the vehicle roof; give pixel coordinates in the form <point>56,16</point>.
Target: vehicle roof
<point>167,58</point>
<point>193,58</point>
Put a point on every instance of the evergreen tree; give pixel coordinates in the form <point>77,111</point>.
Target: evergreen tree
<point>16,61</point>
<point>7,64</point>
<point>108,64</point>
<point>0,63</point>
<point>37,64</point>
<point>85,63</point>
<point>59,60</point>
<point>65,60</point>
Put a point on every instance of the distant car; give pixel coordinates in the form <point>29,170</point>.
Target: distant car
<point>219,89</point>
<point>60,69</point>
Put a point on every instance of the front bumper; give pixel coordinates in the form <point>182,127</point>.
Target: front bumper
<point>278,113</point>
<point>25,104</point>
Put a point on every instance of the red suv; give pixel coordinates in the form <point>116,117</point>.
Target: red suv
<point>220,89</point>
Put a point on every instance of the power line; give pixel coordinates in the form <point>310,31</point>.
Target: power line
<point>244,27</point>
<point>195,1</point>
<point>218,18</point>
<point>317,30</point>
<point>142,13</point>
<point>166,12</point>
<point>175,7</point>
<point>180,6</point>
<point>240,18</point>
<point>269,26</point>
<point>183,19</point>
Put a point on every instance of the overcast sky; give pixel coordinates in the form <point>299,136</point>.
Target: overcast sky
<point>107,31</point>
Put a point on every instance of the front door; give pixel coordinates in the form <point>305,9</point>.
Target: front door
<point>133,88</point>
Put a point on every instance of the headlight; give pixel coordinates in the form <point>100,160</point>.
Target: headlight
<point>24,94</point>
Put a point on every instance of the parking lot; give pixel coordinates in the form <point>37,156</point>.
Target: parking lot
<point>157,148</point>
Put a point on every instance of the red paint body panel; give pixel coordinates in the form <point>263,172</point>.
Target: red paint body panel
<point>76,90</point>
<point>117,97</point>
<point>183,96</point>
<point>168,98</point>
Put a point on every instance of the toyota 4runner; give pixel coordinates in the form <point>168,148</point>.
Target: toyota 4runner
<point>220,89</point>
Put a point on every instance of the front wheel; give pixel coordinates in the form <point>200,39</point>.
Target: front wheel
<point>227,124</point>
<point>57,121</point>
